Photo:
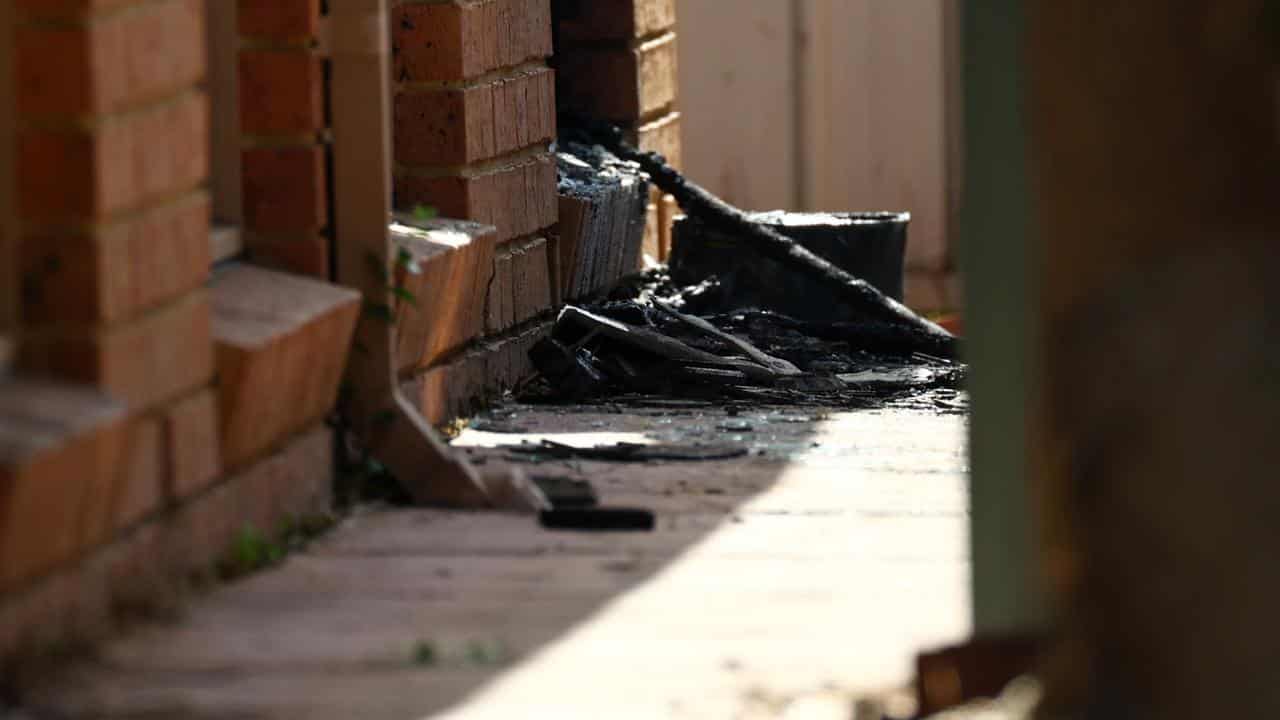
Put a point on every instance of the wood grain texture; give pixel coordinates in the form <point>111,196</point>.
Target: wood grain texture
<point>738,100</point>
<point>824,105</point>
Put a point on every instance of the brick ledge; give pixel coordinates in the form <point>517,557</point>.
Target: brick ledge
<point>146,572</point>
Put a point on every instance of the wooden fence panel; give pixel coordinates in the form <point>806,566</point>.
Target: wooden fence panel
<point>827,105</point>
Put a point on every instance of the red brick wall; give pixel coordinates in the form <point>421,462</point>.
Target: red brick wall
<point>617,60</point>
<point>114,477</point>
<point>112,217</point>
<point>284,126</point>
<point>474,115</point>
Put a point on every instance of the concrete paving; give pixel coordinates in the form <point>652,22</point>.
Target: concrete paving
<point>784,584</point>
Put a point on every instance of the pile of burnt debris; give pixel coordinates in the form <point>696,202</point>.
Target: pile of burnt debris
<point>769,308</point>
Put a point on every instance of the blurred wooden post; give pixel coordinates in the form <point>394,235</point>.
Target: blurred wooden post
<point>996,253</point>
<point>8,231</point>
<point>387,422</point>
<point>1156,162</point>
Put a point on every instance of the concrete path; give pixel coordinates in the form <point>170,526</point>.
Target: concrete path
<point>780,585</point>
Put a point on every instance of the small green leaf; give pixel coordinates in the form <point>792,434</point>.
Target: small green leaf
<point>424,212</point>
<point>407,262</point>
<point>404,295</point>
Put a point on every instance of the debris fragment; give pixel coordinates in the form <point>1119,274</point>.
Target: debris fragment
<point>633,452</point>
<point>869,245</point>
<point>643,351</point>
<point>602,217</point>
<point>902,329</point>
<point>763,309</point>
<point>599,519</point>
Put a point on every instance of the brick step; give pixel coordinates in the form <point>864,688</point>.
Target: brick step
<point>148,569</point>
<point>281,345</point>
<point>59,445</point>
<point>445,302</point>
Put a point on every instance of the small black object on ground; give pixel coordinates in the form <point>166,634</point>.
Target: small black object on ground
<point>599,519</point>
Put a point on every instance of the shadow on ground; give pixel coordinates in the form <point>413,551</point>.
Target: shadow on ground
<point>406,613</point>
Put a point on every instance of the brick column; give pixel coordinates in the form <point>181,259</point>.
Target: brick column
<point>617,60</point>
<point>474,115</point>
<point>284,125</point>
<point>112,228</point>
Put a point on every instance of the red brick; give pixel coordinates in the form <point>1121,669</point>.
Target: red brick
<point>192,446</point>
<point>113,63</point>
<point>126,162</point>
<point>620,84</point>
<point>662,136</point>
<point>150,568</point>
<point>459,125</point>
<point>142,362</point>
<point>308,255</point>
<point>462,386</point>
<point>282,344</point>
<point>118,270</point>
<point>532,268</point>
<point>618,20</point>
<point>279,19</point>
<point>452,41</point>
<point>499,303</point>
<point>294,481</point>
<point>430,393</point>
<point>281,92</point>
<point>518,198</point>
<point>139,486</point>
<point>59,447</point>
<point>455,261</point>
<point>284,189</point>
<point>521,285</point>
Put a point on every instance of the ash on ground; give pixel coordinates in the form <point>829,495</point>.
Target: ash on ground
<point>653,342</point>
